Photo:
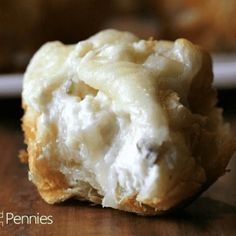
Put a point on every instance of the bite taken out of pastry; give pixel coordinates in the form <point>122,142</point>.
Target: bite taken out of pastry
<point>128,123</point>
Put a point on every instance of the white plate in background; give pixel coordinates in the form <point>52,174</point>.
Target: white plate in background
<point>10,85</point>
<point>224,67</point>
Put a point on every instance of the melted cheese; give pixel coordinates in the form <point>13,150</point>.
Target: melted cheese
<point>114,125</point>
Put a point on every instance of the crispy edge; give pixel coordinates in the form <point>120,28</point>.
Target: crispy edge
<point>50,183</point>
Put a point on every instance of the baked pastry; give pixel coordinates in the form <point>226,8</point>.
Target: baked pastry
<point>123,122</point>
<point>210,23</point>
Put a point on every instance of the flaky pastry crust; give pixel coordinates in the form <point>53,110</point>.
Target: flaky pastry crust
<point>147,144</point>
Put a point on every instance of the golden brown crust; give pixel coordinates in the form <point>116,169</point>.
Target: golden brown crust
<point>23,156</point>
<point>51,184</point>
<point>151,209</point>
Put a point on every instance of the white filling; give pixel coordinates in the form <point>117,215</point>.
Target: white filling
<point>94,131</point>
<point>111,132</point>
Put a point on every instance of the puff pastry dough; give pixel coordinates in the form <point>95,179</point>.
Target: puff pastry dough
<point>123,122</point>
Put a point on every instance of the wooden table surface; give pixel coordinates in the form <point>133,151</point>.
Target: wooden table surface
<point>214,213</point>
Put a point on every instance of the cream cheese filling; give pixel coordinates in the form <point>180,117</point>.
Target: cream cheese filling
<point>115,131</point>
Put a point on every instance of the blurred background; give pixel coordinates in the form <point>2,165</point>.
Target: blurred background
<point>25,25</point>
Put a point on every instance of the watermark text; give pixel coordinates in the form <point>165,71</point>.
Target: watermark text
<point>12,218</point>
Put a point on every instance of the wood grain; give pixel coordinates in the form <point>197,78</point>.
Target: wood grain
<point>214,213</point>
